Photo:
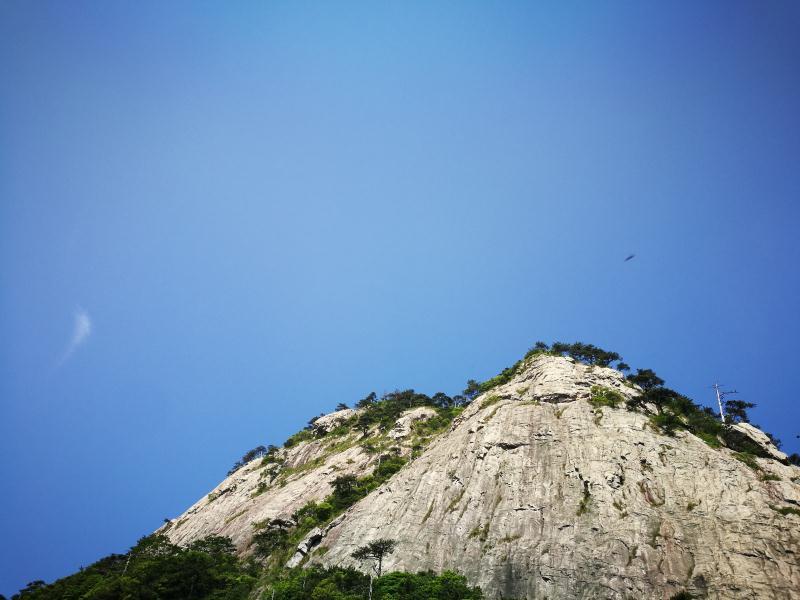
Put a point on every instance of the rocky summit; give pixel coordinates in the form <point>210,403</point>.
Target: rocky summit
<point>557,482</point>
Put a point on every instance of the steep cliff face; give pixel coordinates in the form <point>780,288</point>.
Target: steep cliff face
<point>269,490</point>
<point>536,492</point>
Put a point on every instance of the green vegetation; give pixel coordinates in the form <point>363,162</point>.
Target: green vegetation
<point>736,411</point>
<point>208,568</point>
<point>430,510</point>
<point>384,413</point>
<point>454,503</point>
<point>786,510</point>
<point>585,353</point>
<point>602,396</point>
<point>675,412</point>
<point>646,379</point>
<point>667,422</point>
<point>493,399</point>
<point>436,425</point>
<point>235,516</point>
<point>155,568</point>
<point>287,472</point>
<point>375,551</point>
<point>750,460</point>
<point>268,540</point>
<point>300,436</point>
<point>260,488</point>
<point>348,584</point>
<point>711,440</point>
<point>747,459</point>
<point>276,544</point>
<point>504,377</point>
<point>481,532</point>
<point>249,456</point>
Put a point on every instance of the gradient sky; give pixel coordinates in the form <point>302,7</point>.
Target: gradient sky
<point>220,219</point>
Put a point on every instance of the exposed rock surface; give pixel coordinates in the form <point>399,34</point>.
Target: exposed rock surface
<point>534,493</point>
<point>540,495</point>
<point>402,428</point>
<point>328,423</point>
<point>760,438</point>
<point>261,493</point>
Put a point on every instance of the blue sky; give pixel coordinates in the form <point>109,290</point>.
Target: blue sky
<point>264,209</point>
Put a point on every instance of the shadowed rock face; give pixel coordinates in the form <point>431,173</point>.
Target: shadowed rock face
<point>534,493</point>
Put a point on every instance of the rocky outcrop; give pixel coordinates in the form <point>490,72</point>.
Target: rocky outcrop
<point>269,490</point>
<point>263,491</point>
<point>534,492</point>
<point>402,428</point>
<point>760,438</point>
<point>329,422</point>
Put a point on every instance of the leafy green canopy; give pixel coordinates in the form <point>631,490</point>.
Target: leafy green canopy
<point>156,569</point>
<point>208,570</point>
<point>585,353</point>
<point>276,545</point>
<point>674,412</point>
<point>348,584</point>
<point>375,551</point>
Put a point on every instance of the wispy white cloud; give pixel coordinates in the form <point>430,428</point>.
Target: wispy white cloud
<point>81,330</point>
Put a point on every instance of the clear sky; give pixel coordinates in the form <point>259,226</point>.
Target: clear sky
<point>220,219</point>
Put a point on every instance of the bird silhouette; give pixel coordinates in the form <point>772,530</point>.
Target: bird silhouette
<point>630,256</point>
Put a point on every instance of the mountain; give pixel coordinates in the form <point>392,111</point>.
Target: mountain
<point>560,479</point>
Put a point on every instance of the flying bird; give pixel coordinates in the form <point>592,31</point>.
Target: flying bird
<point>630,256</point>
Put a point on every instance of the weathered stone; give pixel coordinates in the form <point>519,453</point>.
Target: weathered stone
<point>304,475</point>
<point>402,428</point>
<point>328,423</point>
<point>760,438</point>
<point>548,501</point>
<point>312,539</point>
<point>534,493</point>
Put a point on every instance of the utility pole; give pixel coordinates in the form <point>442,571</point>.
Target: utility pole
<point>720,397</point>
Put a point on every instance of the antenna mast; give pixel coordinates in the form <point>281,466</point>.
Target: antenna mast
<point>720,397</point>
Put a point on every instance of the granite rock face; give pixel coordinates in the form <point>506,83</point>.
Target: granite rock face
<point>535,493</point>
<point>268,494</point>
<point>402,428</point>
<point>328,423</point>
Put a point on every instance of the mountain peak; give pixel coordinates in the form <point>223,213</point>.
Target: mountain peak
<point>560,479</point>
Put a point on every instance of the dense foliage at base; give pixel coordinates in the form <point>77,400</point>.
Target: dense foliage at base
<point>349,584</point>
<point>155,569</point>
